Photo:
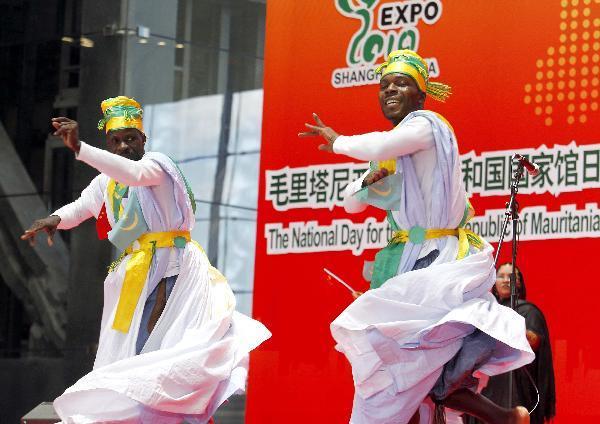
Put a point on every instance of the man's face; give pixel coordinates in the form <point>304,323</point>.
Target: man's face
<point>503,281</point>
<point>127,142</point>
<point>398,96</point>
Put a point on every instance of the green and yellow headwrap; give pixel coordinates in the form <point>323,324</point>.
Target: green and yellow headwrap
<point>409,63</point>
<point>119,113</point>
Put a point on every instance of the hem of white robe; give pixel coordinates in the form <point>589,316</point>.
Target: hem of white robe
<point>128,407</point>
<point>374,374</point>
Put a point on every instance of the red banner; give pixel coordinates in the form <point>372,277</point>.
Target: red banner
<point>525,77</point>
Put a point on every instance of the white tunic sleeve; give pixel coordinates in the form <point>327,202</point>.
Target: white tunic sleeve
<point>144,172</point>
<point>87,205</point>
<point>411,137</point>
<point>351,203</point>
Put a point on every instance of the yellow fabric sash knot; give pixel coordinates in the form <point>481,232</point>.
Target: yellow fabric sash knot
<point>136,271</point>
<point>417,235</point>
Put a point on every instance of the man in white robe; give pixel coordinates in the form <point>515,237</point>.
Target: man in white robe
<point>172,347</point>
<point>429,323</point>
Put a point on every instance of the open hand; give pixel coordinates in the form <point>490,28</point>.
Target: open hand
<point>321,130</point>
<point>47,225</point>
<point>68,130</point>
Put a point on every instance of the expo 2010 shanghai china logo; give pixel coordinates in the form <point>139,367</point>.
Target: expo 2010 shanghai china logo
<point>383,28</point>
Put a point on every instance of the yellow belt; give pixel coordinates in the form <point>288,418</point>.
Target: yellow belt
<point>418,235</point>
<point>136,271</point>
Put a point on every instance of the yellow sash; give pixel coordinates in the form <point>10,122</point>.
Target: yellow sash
<point>390,165</point>
<point>136,271</point>
<point>465,236</point>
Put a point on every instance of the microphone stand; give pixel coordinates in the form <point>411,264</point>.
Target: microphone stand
<point>512,214</point>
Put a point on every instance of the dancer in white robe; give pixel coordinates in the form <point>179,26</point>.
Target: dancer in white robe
<point>172,347</point>
<point>429,324</point>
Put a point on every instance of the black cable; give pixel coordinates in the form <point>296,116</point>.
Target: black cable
<point>537,391</point>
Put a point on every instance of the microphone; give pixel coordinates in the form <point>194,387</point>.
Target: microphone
<point>532,168</point>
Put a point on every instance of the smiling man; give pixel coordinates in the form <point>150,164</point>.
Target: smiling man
<point>172,347</point>
<point>429,326</point>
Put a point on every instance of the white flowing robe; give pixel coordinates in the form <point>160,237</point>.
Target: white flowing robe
<point>399,337</point>
<point>197,354</point>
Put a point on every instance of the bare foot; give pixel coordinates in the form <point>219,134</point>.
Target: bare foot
<point>520,415</point>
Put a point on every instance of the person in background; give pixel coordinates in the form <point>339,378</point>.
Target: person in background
<point>541,369</point>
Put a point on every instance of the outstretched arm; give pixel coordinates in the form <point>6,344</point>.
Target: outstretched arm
<point>320,130</point>
<point>71,215</point>
<point>47,225</point>
<point>144,172</point>
<point>414,135</point>
<point>123,170</point>
<point>86,206</point>
<point>351,204</point>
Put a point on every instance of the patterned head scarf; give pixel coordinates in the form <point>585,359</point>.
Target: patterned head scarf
<point>119,113</point>
<point>409,63</point>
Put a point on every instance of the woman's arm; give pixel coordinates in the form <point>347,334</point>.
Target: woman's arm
<point>535,323</point>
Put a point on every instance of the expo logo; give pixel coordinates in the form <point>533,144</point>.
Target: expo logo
<point>391,27</point>
<point>396,15</point>
<point>398,19</point>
